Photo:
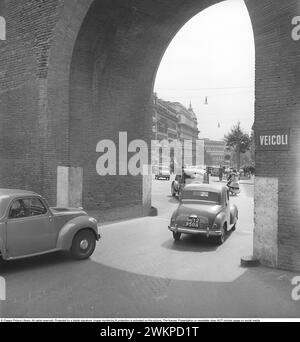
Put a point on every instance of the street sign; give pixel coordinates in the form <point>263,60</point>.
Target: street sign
<point>273,140</point>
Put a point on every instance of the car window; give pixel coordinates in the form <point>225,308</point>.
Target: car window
<point>35,206</point>
<point>27,207</point>
<point>18,210</point>
<point>201,196</point>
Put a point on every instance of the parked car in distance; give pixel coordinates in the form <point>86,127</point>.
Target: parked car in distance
<point>189,176</point>
<point>29,227</point>
<point>163,172</point>
<point>204,210</point>
<point>214,171</point>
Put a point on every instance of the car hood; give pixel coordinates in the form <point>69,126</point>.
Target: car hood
<point>203,211</point>
<point>68,210</point>
<point>64,215</point>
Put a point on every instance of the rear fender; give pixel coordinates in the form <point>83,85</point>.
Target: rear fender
<point>233,213</point>
<point>221,219</point>
<point>2,249</point>
<point>70,229</point>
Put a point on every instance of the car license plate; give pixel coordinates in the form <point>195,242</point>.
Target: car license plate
<point>193,223</point>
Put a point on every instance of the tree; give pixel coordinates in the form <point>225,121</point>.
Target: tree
<point>239,141</point>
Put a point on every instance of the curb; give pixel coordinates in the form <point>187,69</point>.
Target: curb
<point>153,212</point>
<point>249,261</point>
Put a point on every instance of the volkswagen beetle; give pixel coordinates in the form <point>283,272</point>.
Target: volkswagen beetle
<point>204,210</point>
<point>29,227</point>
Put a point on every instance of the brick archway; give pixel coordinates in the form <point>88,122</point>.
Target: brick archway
<point>49,63</point>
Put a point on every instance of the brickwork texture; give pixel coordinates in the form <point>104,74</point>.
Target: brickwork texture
<point>74,72</point>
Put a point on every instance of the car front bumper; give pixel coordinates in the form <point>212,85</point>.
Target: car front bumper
<point>207,232</point>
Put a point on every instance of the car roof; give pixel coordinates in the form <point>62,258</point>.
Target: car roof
<point>205,187</point>
<point>16,193</point>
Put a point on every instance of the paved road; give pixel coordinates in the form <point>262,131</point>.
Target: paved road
<point>138,271</point>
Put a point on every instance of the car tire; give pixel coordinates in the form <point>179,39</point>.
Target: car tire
<point>83,245</point>
<point>173,191</point>
<point>221,239</point>
<point>176,236</point>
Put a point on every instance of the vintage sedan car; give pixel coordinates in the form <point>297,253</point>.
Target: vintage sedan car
<point>204,210</point>
<point>163,172</point>
<point>29,227</point>
<point>189,176</point>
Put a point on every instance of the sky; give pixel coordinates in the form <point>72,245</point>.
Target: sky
<point>213,56</point>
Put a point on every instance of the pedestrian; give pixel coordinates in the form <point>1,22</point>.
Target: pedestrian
<point>221,174</point>
<point>233,183</point>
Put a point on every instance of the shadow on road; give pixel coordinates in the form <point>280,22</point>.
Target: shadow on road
<point>48,260</point>
<point>56,286</point>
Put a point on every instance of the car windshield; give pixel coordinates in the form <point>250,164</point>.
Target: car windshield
<point>199,195</point>
<point>194,179</point>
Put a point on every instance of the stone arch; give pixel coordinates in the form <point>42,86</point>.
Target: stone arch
<point>126,40</point>
<point>139,32</point>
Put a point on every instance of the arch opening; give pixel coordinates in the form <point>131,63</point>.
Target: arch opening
<point>138,44</point>
<point>204,88</point>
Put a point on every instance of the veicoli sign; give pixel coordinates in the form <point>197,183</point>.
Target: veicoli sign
<point>273,140</point>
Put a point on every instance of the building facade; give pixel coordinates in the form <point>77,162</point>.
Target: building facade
<point>215,152</point>
<point>174,122</point>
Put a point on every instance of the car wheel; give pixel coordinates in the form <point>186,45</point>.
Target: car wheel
<point>221,239</point>
<point>84,244</point>
<point>176,236</point>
